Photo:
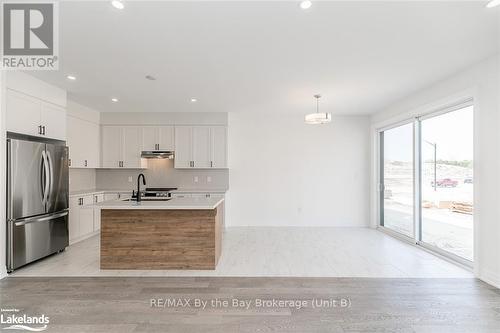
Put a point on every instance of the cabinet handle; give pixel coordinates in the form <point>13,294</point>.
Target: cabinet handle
<point>43,128</point>
<point>211,164</point>
<point>95,198</point>
<point>80,201</point>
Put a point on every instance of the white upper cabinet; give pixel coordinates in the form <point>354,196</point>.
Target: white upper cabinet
<point>83,143</point>
<point>131,147</point>
<point>201,147</point>
<point>219,147</point>
<point>111,146</point>
<point>53,120</point>
<point>157,138</point>
<point>122,146</point>
<point>23,113</point>
<point>32,116</point>
<point>166,138</point>
<point>149,138</point>
<point>183,157</point>
<point>34,107</point>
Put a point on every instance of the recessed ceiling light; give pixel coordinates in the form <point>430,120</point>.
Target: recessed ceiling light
<point>305,4</point>
<point>114,100</point>
<point>150,77</point>
<point>194,100</point>
<point>117,4</point>
<point>493,3</point>
<point>71,77</point>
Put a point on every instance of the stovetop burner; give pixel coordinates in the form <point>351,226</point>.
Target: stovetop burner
<point>160,189</point>
<point>158,192</point>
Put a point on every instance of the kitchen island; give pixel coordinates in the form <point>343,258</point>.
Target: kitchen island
<point>182,233</point>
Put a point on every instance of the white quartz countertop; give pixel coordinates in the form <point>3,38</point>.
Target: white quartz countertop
<point>96,191</point>
<point>197,190</point>
<point>174,203</point>
<point>180,191</point>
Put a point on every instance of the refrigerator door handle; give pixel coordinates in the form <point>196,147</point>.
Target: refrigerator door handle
<point>50,174</point>
<point>40,219</point>
<point>45,178</point>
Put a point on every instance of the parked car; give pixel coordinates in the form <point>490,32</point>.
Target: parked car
<point>468,180</point>
<point>445,182</point>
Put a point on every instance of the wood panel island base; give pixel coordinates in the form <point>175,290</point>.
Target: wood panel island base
<point>160,238</point>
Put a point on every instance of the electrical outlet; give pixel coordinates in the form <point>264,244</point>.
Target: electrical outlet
<point>209,179</point>
<point>195,179</point>
<point>130,179</point>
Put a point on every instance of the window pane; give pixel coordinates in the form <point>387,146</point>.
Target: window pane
<point>447,182</point>
<point>397,166</point>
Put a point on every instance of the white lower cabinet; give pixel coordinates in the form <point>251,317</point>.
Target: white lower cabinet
<point>97,211</point>
<point>81,217</point>
<point>84,218</point>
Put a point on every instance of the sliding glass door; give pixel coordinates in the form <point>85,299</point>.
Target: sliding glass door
<point>397,179</point>
<point>447,182</point>
<point>426,181</point>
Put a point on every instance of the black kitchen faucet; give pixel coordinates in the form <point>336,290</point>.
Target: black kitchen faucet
<point>139,185</point>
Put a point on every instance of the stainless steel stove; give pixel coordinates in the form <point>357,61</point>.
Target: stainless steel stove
<point>156,193</point>
<point>159,192</point>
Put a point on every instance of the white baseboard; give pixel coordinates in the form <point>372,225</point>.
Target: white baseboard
<point>3,273</point>
<point>81,238</point>
<point>490,277</point>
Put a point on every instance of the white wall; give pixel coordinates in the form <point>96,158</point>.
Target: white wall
<point>3,154</point>
<point>482,83</point>
<point>286,173</point>
<point>83,112</point>
<point>34,87</point>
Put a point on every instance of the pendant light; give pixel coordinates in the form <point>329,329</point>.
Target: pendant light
<point>318,118</point>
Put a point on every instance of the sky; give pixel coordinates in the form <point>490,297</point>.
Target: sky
<point>452,132</point>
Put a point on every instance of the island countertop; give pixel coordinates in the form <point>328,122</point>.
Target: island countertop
<point>174,203</point>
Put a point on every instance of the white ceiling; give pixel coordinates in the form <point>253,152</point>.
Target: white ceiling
<point>265,56</point>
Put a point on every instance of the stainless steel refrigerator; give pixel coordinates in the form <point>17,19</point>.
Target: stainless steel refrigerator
<point>37,198</point>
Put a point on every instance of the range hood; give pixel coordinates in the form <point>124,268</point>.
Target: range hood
<point>157,154</point>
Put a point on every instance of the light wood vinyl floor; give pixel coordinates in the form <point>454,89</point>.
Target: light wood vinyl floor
<point>117,304</point>
<point>285,251</point>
